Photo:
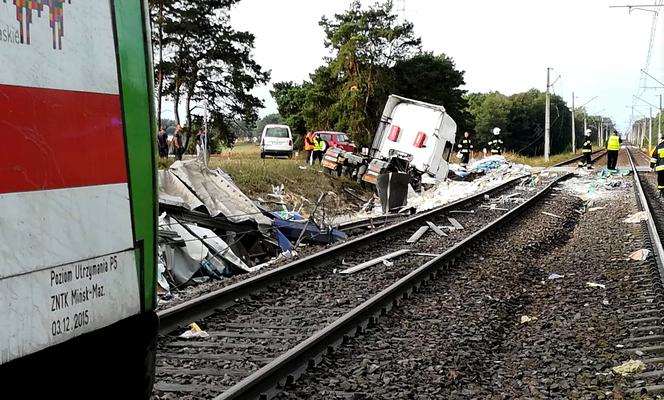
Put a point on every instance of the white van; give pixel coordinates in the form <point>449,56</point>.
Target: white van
<point>276,140</point>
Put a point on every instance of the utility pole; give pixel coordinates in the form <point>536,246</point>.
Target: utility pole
<point>547,118</point>
<point>574,128</point>
<point>659,119</point>
<point>650,130</point>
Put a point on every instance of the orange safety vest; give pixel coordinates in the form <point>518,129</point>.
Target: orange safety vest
<point>308,141</point>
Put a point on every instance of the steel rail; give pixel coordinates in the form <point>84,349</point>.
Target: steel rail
<point>571,160</point>
<point>650,222</point>
<point>264,383</point>
<point>203,306</point>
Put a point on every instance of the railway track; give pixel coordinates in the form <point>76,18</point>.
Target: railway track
<point>595,155</point>
<point>646,340</point>
<point>268,338</point>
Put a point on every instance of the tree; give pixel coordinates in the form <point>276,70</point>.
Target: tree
<point>274,118</point>
<point>434,79</point>
<point>489,110</point>
<point>365,44</point>
<point>202,60</point>
<point>291,99</point>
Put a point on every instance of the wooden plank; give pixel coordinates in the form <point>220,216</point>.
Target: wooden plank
<point>375,261</point>
<point>436,229</point>
<point>417,235</point>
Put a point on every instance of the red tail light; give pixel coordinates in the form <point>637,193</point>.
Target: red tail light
<point>394,133</point>
<point>290,142</point>
<point>419,139</point>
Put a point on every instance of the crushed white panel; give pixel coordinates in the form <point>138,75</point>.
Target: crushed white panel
<point>53,305</point>
<point>85,63</point>
<point>41,229</point>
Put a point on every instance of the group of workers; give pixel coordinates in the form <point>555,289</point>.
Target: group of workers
<point>465,146</point>
<point>315,147</point>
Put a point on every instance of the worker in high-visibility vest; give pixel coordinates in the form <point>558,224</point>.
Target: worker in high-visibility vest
<point>659,166</point>
<point>465,148</point>
<point>587,148</point>
<point>319,148</point>
<point>496,144</point>
<point>613,147</point>
<point>651,153</point>
<point>309,147</point>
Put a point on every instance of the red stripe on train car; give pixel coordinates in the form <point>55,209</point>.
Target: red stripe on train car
<point>53,139</point>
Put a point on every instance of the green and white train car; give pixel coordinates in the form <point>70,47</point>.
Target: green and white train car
<point>77,199</point>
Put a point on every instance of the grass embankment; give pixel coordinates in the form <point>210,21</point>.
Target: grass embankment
<point>256,178</point>
<point>539,160</point>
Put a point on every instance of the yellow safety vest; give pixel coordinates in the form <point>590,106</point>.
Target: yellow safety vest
<point>318,145</point>
<point>613,143</point>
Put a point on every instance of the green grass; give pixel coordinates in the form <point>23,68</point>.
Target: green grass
<point>256,177</point>
<point>539,160</point>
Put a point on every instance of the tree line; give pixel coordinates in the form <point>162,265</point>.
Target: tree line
<point>201,62</point>
<point>373,54</point>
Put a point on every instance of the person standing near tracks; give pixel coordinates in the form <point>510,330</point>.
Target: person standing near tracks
<point>612,147</point>
<point>162,143</point>
<point>178,146</point>
<point>309,147</point>
<point>587,148</point>
<point>465,148</point>
<point>319,145</point>
<point>659,165</point>
<point>496,144</point>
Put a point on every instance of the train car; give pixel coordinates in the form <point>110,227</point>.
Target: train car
<point>77,199</point>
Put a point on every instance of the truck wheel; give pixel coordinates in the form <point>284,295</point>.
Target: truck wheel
<point>262,155</point>
<point>290,155</point>
<point>339,170</point>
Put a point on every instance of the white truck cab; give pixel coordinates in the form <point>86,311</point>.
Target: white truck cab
<point>419,134</point>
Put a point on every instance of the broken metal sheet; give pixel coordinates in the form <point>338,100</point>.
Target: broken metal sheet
<point>218,195</point>
<point>173,192</point>
<point>222,250</point>
<point>375,261</point>
<point>436,229</point>
<point>417,235</point>
<point>455,223</point>
<point>185,261</point>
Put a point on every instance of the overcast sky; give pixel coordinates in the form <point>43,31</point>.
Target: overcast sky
<point>502,45</point>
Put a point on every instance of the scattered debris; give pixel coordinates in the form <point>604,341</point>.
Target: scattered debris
<point>375,261</point>
<point>596,208</point>
<point>462,211</point>
<point>596,285</point>
<point>525,319</point>
<point>436,229</point>
<point>555,276</point>
<point>605,302</point>
<point>455,223</point>
<point>551,215</point>
<point>636,217</point>
<point>194,332</point>
<point>640,255</point>
<point>418,234</point>
<point>427,254</point>
<point>629,367</point>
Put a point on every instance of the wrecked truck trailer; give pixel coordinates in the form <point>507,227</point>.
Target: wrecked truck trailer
<point>413,137</point>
